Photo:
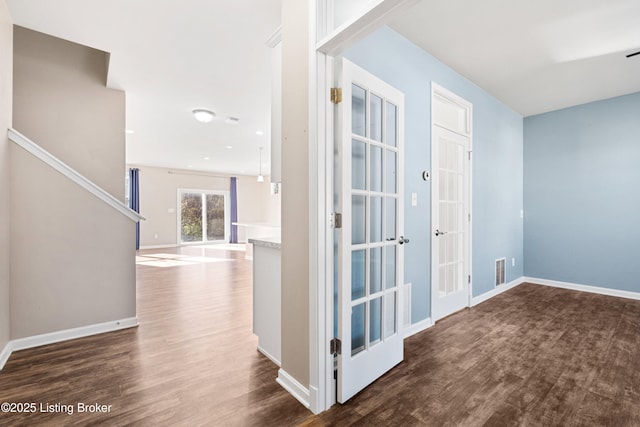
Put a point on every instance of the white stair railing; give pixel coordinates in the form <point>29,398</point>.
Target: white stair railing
<point>72,174</point>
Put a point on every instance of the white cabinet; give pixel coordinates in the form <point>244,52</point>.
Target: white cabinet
<point>266,296</point>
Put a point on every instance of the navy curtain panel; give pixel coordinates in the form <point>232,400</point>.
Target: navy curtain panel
<point>233,238</point>
<point>134,198</point>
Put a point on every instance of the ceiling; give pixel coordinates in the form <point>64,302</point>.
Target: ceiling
<point>173,57</point>
<point>535,56</point>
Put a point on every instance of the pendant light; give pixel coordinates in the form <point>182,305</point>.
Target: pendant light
<point>260,177</point>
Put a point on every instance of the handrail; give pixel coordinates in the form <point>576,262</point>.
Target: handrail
<point>72,174</point>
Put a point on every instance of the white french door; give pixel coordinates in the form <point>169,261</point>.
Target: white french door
<point>369,186</point>
<point>450,209</point>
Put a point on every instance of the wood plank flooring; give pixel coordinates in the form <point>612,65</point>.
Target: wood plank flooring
<point>533,356</point>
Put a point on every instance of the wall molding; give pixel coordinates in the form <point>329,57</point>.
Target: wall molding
<point>269,356</point>
<point>496,291</point>
<point>584,288</point>
<point>72,174</point>
<point>294,388</point>
<point>70,334</point>
<point>417,327</point>
<point>313,400</point>
<point>4,355</point>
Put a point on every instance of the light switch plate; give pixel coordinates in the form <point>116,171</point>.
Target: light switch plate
<point>414,199</point>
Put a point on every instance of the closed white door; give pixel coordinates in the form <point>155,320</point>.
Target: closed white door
<point>450,214</point>
<point>370,257</point>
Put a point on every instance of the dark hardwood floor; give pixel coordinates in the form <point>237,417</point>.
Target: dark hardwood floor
<point>534,356</point>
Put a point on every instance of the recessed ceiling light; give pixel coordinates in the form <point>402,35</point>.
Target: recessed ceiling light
<point>190,166</point>
<point>229,147</point>
<point>232,120</point>
<point>204,116</point>
<point>129,131</point>
<point>259,132</point>
<point>205,158</point>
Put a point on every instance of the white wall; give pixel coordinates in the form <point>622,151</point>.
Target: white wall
<point>159,201</point>
<point>6,69</point>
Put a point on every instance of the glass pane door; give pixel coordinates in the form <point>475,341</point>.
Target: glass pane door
<point>373,218</point>
<point>203,216</point>
<point>191,216</point>
<point>369,254</point>
<point>215,217</point>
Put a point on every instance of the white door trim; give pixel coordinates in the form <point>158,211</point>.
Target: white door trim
<point>437,90</point>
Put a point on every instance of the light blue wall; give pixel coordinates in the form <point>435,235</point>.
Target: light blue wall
<point>497,164</point>
<point>582,194</point>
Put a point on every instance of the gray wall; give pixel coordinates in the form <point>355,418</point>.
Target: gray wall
<point>582,169</point>
<point>72,256</point>
<point>6,68</point>
<point>78,119</point>
<point>497,164</point>
<point>158,194</point>
<point>295,193</point>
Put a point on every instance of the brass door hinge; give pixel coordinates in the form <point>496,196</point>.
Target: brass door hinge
<point>336,95</point>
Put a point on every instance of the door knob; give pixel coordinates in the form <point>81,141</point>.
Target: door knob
<point>402,240</point>
<point>438,232</point>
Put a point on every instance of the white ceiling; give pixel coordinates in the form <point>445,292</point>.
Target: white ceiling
<point>172,57</point>
<point>535,56</point>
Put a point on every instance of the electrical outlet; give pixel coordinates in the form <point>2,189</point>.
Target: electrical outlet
<point>513,262</point>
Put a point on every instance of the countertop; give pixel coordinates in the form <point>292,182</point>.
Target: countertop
<point>266,242</point>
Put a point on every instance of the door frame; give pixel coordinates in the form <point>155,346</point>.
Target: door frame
<point>227,224</point>
<point>325,43</point>
<point>438,90</point>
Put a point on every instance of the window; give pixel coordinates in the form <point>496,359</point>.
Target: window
<point>202,216</point>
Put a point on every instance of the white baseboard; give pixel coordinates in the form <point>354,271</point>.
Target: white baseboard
<point>417,327</point>
<point>496,291</point>
<point>4,354</point>
<point>269,356</point>
<point>314,404</point>
<point>158,247</point>
<point>294,388</point>
<point>584,288</point>
<point>70,334</point>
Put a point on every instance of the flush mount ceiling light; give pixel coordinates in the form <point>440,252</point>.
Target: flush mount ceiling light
<point>204,116</point>
<point>260,177</point>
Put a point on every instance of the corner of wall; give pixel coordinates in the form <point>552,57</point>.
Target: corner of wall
<point>6,99</point>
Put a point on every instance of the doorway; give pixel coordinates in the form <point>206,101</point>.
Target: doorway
<point>451,132</point>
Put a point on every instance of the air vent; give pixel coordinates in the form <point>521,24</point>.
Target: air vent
<point>500,273</point>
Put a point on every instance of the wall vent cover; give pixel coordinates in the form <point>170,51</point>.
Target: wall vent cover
<point>500,271</point>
